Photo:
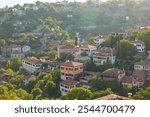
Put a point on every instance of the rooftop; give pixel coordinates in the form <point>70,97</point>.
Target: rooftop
<point>127,79</point>
<point>113,97</point>
<point>143,63</point>
<point>139,76</point>
<point>113,72</point>
<point>32,60</point>
<point>72,64</point>
<point>136,41</point>
<point>66,46</point>
<point>69,82</point>
<point>87,46</point>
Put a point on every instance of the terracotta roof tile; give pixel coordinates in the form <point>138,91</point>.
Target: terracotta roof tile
<point>87,46</point>
<point>69,82</point>
<point>32,60</point>
<point>67,46</point>
<point>72,64</point>
<point>139,74</point>
<point>127,79</point>
<point>113,97</point>
<point>143,63</point>
<point>113,72</point>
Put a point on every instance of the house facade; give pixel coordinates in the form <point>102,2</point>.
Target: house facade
<point>89,49</point>
<point>140,45</point>
<point>66,85</point>
<point>113,74</point>
<point>70,69</point>
<point>67,48</point>
<point>99,40</point>
<point>143,65</point>
<point>31,64</point>
<point>103,55</point>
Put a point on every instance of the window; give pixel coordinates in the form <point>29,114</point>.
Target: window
<point>66,87</point>
<point>62,89</point>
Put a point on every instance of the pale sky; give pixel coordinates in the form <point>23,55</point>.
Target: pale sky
<point>3,3</point>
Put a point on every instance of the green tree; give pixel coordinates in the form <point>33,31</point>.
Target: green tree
<point>37,93</point>
<point>2,42</point>
<point>143,94</point>
<point>77,93</point>
<point>99,94</point>
<point>9,71</point>
<point>125,50</point>
<point>66,56</point>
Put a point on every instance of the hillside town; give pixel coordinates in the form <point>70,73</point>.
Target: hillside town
<point>41,60</point>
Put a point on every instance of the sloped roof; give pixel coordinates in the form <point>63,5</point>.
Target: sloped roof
<point>112,72</point>
<point>87,46</point>
<point>127,79</point>
<point>66,46</point>
<point>32,60</point>
<point>69,82</point>
<point>72,64</point>
<point>143,63</point>
<point>113,97</point>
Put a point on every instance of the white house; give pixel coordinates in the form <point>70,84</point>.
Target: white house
<point>66,85</point>
<point>89,49</point>
<point>31,64</point>
<point>113,74</point>
<point>26,49</point>
<point>103,55</point>
<point>143,65</point>
<point>140,45</point>
<point>99,40</point>
<point>15,48</point>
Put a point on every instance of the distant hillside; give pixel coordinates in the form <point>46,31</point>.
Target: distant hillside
<point>86,18</point>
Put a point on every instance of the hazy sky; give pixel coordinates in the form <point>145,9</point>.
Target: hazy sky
<point>3,3</point>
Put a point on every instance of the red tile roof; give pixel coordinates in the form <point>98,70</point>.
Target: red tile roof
<point>113,97</point>
<point>139,74</point>
<point>113,72</point>
<point>32,60</point>
<point>72,64</point>
<point>127,79</point>
<point>143,63</point>
<point>69,82</point>
<point>67,46</point>
<point>86,46</point>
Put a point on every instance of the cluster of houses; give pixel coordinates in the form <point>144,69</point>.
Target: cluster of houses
<point>73,73</point>
<point>15,51</point>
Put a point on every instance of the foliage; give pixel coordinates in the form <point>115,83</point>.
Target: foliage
<point>84,53</point>
<point>125,50</point>
<point>143,94</point>
<point>66,56</point>
<point>144,36</point>
<point>99,94</point>
<point>9,92</point>
<point>77,93</point>
<point>98,84</point>
<point>9,71</point>
<point>90,66</point>
<point>14,64</point>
